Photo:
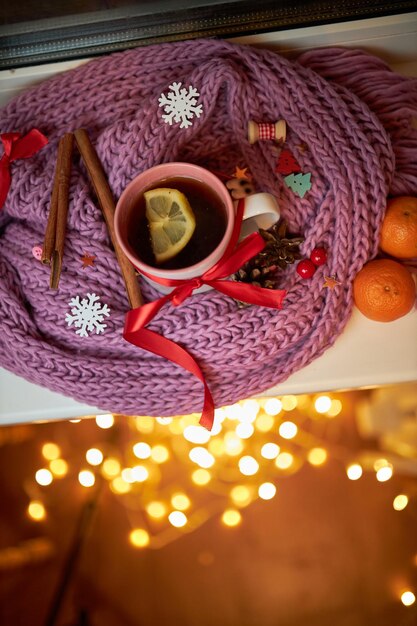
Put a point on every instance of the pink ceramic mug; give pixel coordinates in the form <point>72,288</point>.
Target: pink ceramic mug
<point>157,176</point>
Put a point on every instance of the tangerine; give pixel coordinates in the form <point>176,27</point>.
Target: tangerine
<point>399,228</point>
<point>384,290</point>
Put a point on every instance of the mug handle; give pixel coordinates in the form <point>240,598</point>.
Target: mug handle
<point>261,211</point>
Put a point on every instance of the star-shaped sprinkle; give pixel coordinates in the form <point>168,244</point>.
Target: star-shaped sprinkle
<point>88,260</point>
<point>302,147</point>
<point>331,282</point>
<point>242,173</point>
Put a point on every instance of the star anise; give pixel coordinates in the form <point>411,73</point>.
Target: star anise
<point>280,249</point>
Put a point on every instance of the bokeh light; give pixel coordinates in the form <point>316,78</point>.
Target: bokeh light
<point>249,410</point>
<point>408,598</point>
<point>139,473</point>
<point>94,456</point>
<point>400,502</point>
<point>59,468</point>
<point>241,495</point>
<point>284,460</point>
<point>354,471</point>
<point>44,477</point>
<point>288,430</point>
<point>177,519</point>
<point>50,451</point>
<point>317,456</point>
<point>105,421</point>
<point>139,538</point>
<point>146,424</point>
<point>86,478</point>
<point>201,477</point>
<point>196,434</point>
<point>267,491</point>
<point>289,403</point>
<point>233,445</point>
<point>231,517</point>
<point>270,450</point>
<point>384,473</point>
<point>264,422</point>
<point>233,411</point>
<point>160,454</point>
<point>335,408</point>
<point>244,430</point>
<point>164,420</point>
<point>142,450</point>
<point>216,446</point>
<point>118,485</point>
<point>156,509</point>
<point>180,501</point>
<point>248,465</point>
<point>322,404</point>
<point>36,510</point>
<point>273,406</point>
<point>201,457</point>
<point>110,467</point>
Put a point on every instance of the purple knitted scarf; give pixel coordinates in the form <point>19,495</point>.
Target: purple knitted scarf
<point>353,115</point>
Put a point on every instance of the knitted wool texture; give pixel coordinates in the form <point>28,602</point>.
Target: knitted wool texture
<point>353,116</point>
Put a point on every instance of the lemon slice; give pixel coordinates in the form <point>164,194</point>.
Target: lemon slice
<point>171,222</point>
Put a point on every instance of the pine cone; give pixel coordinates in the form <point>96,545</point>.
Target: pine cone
<point>279,252</point>
<point>259,276</point>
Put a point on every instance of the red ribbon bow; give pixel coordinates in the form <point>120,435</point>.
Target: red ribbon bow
<point>17,147</point>
<point>232,260</point>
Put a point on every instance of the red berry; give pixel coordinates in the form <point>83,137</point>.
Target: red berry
<point>306,268</point>
<point>319,256</point>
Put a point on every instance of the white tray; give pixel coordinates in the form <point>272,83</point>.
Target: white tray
<point>367,354</point>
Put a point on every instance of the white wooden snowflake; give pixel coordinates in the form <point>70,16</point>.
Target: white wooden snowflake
<point>180,105</point>
<point>87,315</point>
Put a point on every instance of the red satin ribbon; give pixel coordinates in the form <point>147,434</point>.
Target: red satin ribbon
<point>17,147</point>
<point>232,260</point>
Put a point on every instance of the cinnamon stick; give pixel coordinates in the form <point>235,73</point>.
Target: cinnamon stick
<point>107,204</point>
<point>66,145</point>
<point>50,233</point>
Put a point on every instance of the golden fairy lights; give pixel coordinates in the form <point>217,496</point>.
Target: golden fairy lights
<point>50,451</point>
<point>267,491</point>
<point>94,456</point>
<point>288,430</point>
<point>59,468</point>
<point>384,470</point>
<point>231,517</point>
<point>400,502</point>
<point>254,446</point>
<point>105,421</point>
<point>322,404</point>
<point>177,519</point>
<point>201,477</point>
<point>86,478</point>
<point>142,450</point>
<point>354,471</point>
<point>43,477</point>
<point>36,510</point>
<point>139,538</point>
<point>408,598</point>
<point>241,495</point>
<point>317,456</point>
<point>156,509</point>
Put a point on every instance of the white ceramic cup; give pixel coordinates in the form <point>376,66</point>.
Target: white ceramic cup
<point>261,211</point>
